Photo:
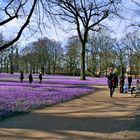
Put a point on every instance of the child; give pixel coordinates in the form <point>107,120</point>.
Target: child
<point>125,87</point>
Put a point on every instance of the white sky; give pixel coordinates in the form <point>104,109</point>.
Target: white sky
<point>118,26</point>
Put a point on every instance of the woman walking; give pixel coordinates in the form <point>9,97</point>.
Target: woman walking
<point>30,78</point>
<point>21,76</point>
<point>112,82</point>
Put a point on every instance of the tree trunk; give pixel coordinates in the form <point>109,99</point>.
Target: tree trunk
<point>11,68</point>
<point>106,69</point>
<point>54,69</point>
<point>83,62</point>
<point>42,69</point>
<point>7,68</point>
<point>1,64</point>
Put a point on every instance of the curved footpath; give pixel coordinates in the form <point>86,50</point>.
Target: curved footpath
<point>92,117</point>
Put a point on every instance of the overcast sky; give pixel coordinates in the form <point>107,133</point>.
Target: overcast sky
<point>117,25</point>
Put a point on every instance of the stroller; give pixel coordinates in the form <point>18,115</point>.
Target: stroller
<point>136,90</point>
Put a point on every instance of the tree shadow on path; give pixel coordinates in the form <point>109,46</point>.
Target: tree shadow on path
<point>87,118</point>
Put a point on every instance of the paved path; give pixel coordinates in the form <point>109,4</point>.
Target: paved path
<point>92,117</point>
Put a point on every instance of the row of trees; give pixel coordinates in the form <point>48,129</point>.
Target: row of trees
<point>83,15</point>
<point>101,53</point>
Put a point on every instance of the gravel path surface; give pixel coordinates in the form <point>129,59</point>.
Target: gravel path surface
<point>92,117</point>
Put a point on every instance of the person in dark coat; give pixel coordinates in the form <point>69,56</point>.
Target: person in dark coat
<point>21,76</point>
<point>40,77</point>
<point>112,82</point>
<point>116,80</point>
<point>129,81</point>
<point>30,78</point>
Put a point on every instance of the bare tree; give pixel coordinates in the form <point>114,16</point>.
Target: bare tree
<point>72,55</point>
<point>119,52</point>
<point>100,53</point>
<point>132,44</point>
<point>42,55</point>
<point>85,15</point>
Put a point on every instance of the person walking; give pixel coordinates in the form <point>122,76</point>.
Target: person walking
<point>112,82</point>
<point>30,78</point>
<point>129,81</point>
<point>40,77</point>
<point>21,76</point>
<point>116,80</point>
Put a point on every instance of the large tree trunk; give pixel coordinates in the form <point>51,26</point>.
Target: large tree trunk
<point>83,62</point>
<point>54,69</point>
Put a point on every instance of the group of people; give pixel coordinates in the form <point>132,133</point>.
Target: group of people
<point>124,86</point>
<point>30,77</point>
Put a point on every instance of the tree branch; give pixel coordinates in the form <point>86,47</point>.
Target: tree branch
<point>15,15</point>
<point>21,29</point>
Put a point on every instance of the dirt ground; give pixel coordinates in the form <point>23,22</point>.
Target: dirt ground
<point>92,117</point>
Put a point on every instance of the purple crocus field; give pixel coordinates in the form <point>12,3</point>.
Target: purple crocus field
<point>16,97</point>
